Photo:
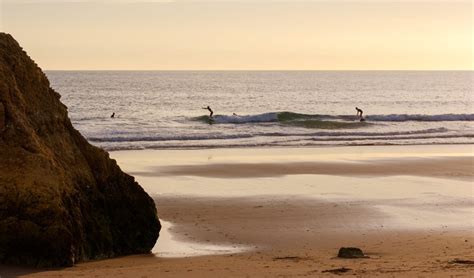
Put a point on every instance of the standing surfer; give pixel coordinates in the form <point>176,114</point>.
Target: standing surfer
<point>359,111</point>
<point>210,110</point>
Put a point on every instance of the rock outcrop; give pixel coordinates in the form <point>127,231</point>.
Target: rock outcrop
<point>62,200</point>
<point>350,253</point>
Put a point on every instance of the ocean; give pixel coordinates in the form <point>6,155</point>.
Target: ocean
<point>164,109</point>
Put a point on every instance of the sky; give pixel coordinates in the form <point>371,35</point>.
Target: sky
<point>243,35</point>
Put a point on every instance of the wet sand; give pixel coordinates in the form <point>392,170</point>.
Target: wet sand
<point>286,212</point>
<point>452,167</point>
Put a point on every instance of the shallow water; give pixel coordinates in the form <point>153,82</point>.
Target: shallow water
<point>167,246</point>
<point>409,202</point>
<point>159,109</point>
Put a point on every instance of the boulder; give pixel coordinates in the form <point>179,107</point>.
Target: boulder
<point>62,200</point>
<point>350,253</point>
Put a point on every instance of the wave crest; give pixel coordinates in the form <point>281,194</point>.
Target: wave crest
<point>421,117</point>
<point>298,118</point>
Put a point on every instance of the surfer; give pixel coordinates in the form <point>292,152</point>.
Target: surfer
<point>359,112</point>
<point>113,115</point>
<point>210,110</point>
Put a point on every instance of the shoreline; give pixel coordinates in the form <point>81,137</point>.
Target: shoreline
<point>294,224</point>
<point>292,153</point>
<point>282,147</point>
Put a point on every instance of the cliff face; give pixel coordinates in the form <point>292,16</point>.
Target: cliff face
<point>61,200</point>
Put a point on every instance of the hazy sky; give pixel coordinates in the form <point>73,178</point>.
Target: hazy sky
<point>258,34</point>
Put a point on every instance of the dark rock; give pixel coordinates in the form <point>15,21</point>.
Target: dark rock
<point>337,270</point>
<point>62,200</point>
<point>2,117</point>
<point>289,258</point>
<point>350,253</point>
<point>461,261</point>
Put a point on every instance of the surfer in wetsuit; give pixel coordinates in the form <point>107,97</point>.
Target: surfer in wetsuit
<point>210,110</point>
<point>359,113</point>
<point>113,115</point>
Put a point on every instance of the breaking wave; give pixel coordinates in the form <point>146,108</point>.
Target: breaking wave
<point>286,117</point>
<point>421,117</point>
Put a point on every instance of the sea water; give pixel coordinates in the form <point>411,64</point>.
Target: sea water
<point>164,109</point>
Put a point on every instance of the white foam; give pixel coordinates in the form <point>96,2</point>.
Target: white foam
<point>421,117</point>
<point>168,246</point>
<point>238,119</point>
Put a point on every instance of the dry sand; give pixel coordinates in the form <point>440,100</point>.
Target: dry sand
<point>409,209</point>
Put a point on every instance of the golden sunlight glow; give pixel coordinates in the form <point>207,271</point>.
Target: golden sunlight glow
<point>338,35</point>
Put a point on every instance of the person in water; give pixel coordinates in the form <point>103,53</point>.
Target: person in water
<point>113,115</point>
<point>210,110</point>
<point>359,113</point>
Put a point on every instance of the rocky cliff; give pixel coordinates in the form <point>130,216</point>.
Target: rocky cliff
<point>62,200</point>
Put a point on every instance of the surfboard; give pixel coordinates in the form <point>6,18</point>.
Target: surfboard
<point>211,120</point>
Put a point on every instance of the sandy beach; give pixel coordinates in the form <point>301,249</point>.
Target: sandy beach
<point>236,138</point>
<point>285,212</point>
